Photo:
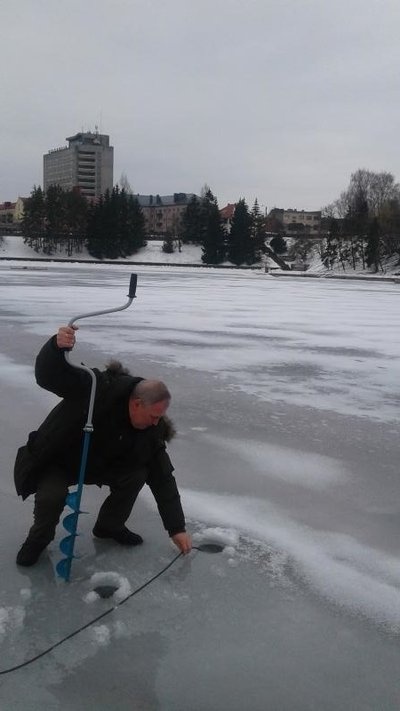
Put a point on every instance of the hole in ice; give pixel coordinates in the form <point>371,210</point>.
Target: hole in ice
<point>105,591</point>
<point>210,548</point>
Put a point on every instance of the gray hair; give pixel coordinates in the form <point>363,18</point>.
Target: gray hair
<point>150,392</point>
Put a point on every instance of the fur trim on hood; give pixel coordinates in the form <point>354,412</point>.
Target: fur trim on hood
<point>115,367</point>
<point>169,429</point>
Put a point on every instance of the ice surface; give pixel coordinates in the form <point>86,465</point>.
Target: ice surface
<point>355,576</point>
<point>286,400</point>
<point>285,464</point>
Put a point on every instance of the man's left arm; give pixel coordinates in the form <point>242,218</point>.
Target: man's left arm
<point>165,491</point>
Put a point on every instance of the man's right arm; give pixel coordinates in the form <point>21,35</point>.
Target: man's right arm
<point>52,371</point>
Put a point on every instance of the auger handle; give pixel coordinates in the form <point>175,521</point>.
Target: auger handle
<point>132,286</point>
<point>131,296</point>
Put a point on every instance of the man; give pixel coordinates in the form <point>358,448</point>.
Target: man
<point>127,449</point>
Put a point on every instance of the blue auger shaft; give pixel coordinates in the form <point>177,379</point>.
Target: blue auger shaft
<point>65,570</point>
<point>82,472</point>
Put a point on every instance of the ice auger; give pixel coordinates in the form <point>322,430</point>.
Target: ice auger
<point>73,499</point>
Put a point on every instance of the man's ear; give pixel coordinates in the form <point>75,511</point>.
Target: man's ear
<point>135,403</point>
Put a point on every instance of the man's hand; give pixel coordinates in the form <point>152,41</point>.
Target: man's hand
<point>66,336</point>
<point>183,541</point>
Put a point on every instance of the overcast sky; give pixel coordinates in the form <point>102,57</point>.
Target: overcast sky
<point>276,99</point>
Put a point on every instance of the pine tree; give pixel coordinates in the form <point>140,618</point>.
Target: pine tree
<point>241,247</point>
<point>278,244</point>
<point>96,230</point>
<point>213,234</point>
<point>34,218</point>
<point>192,223</point>
<point>136,223</point>
<point>168,244</point>
<point>258,230</point>
<point>76,216</point>
<point>115,226</point>
<point>56,218</point>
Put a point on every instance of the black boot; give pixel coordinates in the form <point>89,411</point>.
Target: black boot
<point>29,552</point>
<point>121,535</point>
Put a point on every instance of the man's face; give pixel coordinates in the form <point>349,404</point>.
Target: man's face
<point>143,416</point>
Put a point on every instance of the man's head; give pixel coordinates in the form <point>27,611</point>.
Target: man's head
<point>148,402</point>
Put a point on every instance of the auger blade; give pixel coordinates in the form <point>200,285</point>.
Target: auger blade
<point>70,522</point>
<point>63,568</point>
<point>67,545</point>
<point>72,500</point>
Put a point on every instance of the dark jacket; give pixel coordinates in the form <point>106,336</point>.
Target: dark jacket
<point>115,446</point>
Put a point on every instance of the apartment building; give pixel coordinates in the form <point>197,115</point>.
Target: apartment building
<point>11,213</point>
<point>163,213</point>
<point>298,222</point>
<point>86,163</point>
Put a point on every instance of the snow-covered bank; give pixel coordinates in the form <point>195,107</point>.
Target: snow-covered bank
<point>13,247</point>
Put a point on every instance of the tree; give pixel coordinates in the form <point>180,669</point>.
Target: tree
<point>373,245</point>
<point>124,184</point>
<point>258,230</point>
<point>213,234</point>
<point>370,196</point>
<point>278,244</point>
<point>192,230</point>
<point>33,219</point>
<point>76,208</point>
<point>168,244</point>
<point>241,246</point>
<point>116,226</point>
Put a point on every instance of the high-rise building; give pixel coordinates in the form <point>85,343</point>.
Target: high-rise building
<point>86,163</point>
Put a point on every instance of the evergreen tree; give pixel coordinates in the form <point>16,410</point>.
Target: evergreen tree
<point>115,226</point>
<point>258,230</point>
<point>192,222</point>
<point>33,219</point>
<point>56,218</point>
<point>213,234</point>
<point>77,209</point>
<point>278,244</point>
<point>241,246</point>
<point>97,233</point>
<point>168,244</point>
<point>137,229</point>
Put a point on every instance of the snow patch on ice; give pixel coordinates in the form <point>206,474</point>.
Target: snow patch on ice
<point>91,596</point>
<point>101,634</point>
<point>11,619</point>
<point>222,536</point>
<point>25,593</point>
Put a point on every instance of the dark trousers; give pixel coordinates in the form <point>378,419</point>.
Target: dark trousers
<point>53,488</point>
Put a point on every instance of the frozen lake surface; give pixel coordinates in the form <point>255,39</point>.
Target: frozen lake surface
<point>286,400</point>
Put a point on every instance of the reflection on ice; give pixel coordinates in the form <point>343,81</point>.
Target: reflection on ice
<point>282,463</point>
